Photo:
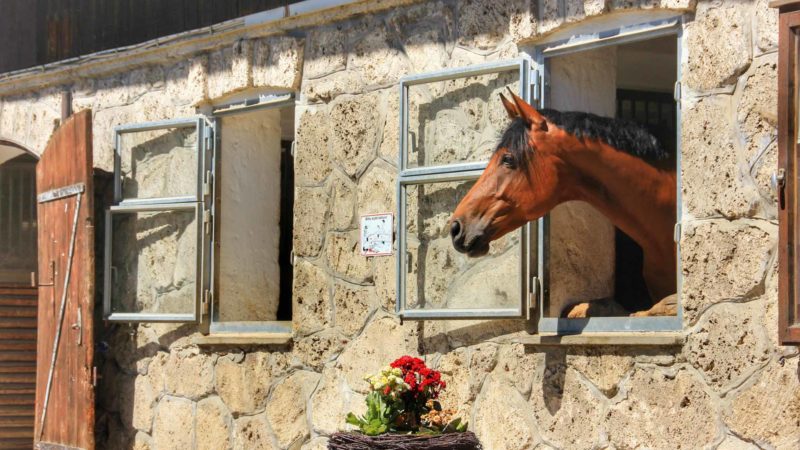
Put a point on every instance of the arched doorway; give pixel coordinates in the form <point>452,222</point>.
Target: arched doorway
<point>18,294</point>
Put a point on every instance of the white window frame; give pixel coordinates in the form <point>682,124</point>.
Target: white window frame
<point>455,172</point>
<point>216,327</point>
<point>535,268</point>
<point>196,202</point>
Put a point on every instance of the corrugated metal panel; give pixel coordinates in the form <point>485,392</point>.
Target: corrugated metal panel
<point>17,366</point>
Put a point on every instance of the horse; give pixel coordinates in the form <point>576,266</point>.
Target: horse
<point>546,157</point>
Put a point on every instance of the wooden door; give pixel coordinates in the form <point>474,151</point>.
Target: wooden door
<point>64,382</point>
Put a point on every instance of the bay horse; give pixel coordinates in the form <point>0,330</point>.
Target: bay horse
<point>546,157</point>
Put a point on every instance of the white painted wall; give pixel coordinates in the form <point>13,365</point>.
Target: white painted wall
<point>249,275</point>
<point>581,239</point>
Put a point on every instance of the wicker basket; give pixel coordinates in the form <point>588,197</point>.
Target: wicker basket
<point>449,441</point>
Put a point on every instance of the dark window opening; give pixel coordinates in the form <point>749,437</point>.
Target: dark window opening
<point>286,230</point>
<point>655,111</point>
<point>18,230</point>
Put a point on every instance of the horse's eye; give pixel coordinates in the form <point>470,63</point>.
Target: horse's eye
<point>507,160</point>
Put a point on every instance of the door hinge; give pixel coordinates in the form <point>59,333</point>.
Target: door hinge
<point>95,376</point>
<point>676,92</point>
<point>676,233</point>
<point>292,149</point>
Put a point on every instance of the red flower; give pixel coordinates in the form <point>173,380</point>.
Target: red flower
<point>424,383</point>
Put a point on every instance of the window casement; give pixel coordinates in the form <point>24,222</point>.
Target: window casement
<point>158,230</point>
<point>433,281</point>
<point>196,232</point>
<point>449,121</point>
<point>785,178</point>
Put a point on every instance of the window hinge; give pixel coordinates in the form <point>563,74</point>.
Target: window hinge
<point>207,183</point>
<point>292,257</point>
<point>676,233</point>
<point>292,149</point>
<point>209,139</point>
<point>207,221</point>
<point>533,297</point>
<point>207,298</point>
<point>676,93</point>
<point>534,86</point>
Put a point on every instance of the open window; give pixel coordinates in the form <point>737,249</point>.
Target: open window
<point>449,124</point>
<point>629,73</point>
<point>201,223</point>
<point>158,229</point>
<point>253,216</point>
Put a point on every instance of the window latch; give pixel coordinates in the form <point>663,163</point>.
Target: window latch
<point>778,180</point>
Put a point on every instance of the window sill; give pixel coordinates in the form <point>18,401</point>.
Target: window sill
<point>622,338</point>
<point>243,339</point>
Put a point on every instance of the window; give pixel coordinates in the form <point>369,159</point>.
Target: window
<point>631,74</point>
<point>450,122</point>
<point>449,128</point>
<point>785,178</point>
<point>201,225</point>
<point>253,205</point>
<point>158,239</point>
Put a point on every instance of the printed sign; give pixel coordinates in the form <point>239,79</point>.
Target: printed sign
<point>376,234</point>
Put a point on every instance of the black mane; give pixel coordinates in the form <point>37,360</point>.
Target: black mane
<point>624,135</point>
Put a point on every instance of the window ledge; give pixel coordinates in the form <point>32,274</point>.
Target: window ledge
<point>622,338</point>
<point>243,339</point>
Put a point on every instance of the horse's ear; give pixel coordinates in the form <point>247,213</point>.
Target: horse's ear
<point>532,117</point>
<point>511,108</point>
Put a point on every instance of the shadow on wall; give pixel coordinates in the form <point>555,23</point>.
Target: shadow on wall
<point>456,121</point>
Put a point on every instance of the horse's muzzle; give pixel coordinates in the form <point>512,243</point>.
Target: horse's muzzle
<point>467,241</point>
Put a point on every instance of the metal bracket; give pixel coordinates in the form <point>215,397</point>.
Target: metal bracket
<point>62,192</point>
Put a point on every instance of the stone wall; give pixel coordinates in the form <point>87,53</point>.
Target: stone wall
<point>729,386</point>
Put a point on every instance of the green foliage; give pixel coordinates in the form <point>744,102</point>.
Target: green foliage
<point>380,417</point>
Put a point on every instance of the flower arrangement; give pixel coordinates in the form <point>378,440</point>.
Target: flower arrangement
<point>402,398</point>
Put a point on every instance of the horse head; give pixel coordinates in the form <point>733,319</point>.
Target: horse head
<point>523,181</point>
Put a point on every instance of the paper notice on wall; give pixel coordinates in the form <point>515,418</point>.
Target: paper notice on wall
<point>376,234</point>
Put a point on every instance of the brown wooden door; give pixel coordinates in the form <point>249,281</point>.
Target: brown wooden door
<point>64,388</point>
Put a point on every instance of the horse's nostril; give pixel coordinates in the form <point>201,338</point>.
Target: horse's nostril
<point>455,229</point>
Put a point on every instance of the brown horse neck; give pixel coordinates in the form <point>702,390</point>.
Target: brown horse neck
<point>635,196</point>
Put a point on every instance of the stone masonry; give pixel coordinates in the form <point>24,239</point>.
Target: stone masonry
<point>728,386</point>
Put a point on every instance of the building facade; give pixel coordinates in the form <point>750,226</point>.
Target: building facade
<point>252,375</point>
